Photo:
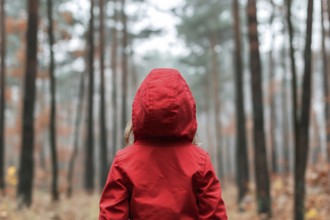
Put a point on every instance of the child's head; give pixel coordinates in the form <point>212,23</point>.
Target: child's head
<point>163,108</point>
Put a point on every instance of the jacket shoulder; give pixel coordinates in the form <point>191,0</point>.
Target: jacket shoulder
<point>125,153</point>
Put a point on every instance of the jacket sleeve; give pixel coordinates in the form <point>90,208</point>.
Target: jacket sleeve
<point>210,202</point>
<point>114,202</point>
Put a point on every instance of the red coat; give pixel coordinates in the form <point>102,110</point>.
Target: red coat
<point>162,175</point>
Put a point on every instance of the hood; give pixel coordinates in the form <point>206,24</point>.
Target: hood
<point>164,107</point>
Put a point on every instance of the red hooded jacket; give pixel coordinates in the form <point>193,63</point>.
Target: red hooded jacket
<point>162,175</point>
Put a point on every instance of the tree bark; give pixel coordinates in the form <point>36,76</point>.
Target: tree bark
<point>328,9</point>
<point>74,153</point>
<point>301,148</point>
<point>242,168</point>
<point>260,155</point>
<point>26,170</point>
<point>325,79</point>
<point>89,148</point>
<point>217,112</point>
<point>52,124</point>
<point>114,56</point>
<point>272,94</point>
<point>124,69</point>
<point>316,140</point>
<point>103,118</point>
<point>285,112</point>
<point>2,96</point>
<point>207,106</point>
<point>294,74</point>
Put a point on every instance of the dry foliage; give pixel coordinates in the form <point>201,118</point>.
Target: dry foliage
<point>317,198</point>
<point>85,207</point>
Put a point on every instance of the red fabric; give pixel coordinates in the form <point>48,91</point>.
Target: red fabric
<point>162,175</point>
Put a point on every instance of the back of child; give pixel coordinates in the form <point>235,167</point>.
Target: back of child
<point>162,175</point>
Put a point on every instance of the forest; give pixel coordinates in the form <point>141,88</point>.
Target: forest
<point>258,70</point>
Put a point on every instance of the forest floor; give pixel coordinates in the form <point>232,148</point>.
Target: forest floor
<point>85,207</point>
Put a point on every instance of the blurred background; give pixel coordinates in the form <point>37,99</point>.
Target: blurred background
<point>258,71</point>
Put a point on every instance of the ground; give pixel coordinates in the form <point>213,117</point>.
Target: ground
<point>85,207</point>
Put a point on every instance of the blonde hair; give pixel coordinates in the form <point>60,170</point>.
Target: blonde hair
<point>129,136</point>
<point>128,133</point>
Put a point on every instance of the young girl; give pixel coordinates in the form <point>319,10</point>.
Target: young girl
<point>162,175</point>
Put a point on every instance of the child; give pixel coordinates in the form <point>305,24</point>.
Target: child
<point>162,175</point>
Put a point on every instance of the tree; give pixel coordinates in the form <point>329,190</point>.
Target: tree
<point>114,56</point>
<point>76,135</point>
<point>242,171</point>
<point>124,68</point>
<point>203,41</point>
<point>103,121</point>
<point>260,155</point>
<point>325,78</point>
<point>73,156</point>
<point>302,134</point>
<point>89,148</point>
<point>24,190</point>
<point>214,79</point>
<point>2,95</point>
<point>272,94</point>
<point>293,71</point>
<point>328,3</point>
<point>52,124</point>
<point>285,102</point>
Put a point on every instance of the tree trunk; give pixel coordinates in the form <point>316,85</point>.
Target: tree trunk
<point>52,124</point>
<point>285,113</point>
<point>114,81</point>
<point>2,96</point>
<point>124,69</point>
<point>301,153</point>
<point>328,9</point>
<point>260,155</point>
<point>26,170</point>
<point>273,116</point>
<point>272,94</point>
<point>242,168</point>
<point>207,94</point>
<point>41,99</point>
<point>294,74</point>
<point>74,153</point>
<point>217,121</point>
<point>325,79</point>
<point>316,140</point>
<point>89,150</point>
<point>103,118</point>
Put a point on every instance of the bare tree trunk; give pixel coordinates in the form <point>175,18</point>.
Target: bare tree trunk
<point>328,9</point>
<point>217,121</point>
<point>316,140</point>
<point>74,153</point>
<point>285,116</point>
<point>26,170</point>
<point>260,155</point>
<point>114,81</point>
<point>242,168</point>
<point>41,139</point>
<point>294,74</point>
<point>2,96</point>
<point>124,69</point>
<point>208,112</point>
<point>325,79</point>
<point>273,116</point>
<point>89,150</point>
<point>103,118</point>
<point>272,94</point>
<point>52,124</point>
<point>301,153</point>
